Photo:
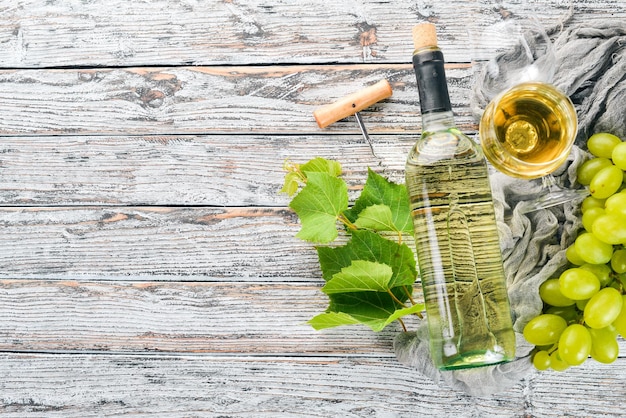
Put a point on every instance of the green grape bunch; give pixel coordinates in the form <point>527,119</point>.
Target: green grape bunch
<point>585,307</point>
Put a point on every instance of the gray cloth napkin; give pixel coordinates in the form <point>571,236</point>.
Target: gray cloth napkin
<point>590,66</point>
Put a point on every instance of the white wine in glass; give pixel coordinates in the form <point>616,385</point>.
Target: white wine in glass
<point>528,130</point>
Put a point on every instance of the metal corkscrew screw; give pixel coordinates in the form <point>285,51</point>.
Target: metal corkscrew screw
<point>352,104</point>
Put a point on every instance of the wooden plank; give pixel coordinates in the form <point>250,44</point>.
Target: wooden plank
<point>213,170</point>
<point>94,385</point>
<point>85,385</point>
<point>162,32</point>
<point>121,33</point>
<point>190,243</point>
<point>199,100</point>
<point>184,317</point>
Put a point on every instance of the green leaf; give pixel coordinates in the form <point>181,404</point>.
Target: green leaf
<point>376,217</point>
<point>360,276</point>
<point>322,165</point>
<point>318,205</point>
<point>291,184</point>
<point>331,319</point>
<point>369,246</point>
<point>399,313</point>
<point>374,309</point>
<point>336,319</point>
<point>380,191</point>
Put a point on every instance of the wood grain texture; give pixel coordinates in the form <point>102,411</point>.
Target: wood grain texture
<point>80,385</point>
<point>185,317</point>
<point>199,100</point>
<point>188,243</point>
<point>168,32</point>
<point>213,170</point>
<point>179,385</point>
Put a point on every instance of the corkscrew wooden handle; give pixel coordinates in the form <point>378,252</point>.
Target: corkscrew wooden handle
<point>352,103</point>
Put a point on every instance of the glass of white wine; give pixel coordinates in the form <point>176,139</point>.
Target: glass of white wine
<point>529,127</point>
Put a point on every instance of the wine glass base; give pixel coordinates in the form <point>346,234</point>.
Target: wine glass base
<point>554,198</point>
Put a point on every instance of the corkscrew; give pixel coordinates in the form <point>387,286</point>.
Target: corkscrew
<point>352,104</point>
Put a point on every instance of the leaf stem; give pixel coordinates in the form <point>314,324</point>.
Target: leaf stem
<point>402,323</point>
<point>344,219</point>
<point>396,299</point>
<point>406,290</point>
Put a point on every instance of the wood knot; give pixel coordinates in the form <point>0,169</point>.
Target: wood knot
<point>367,36</point>
<point>152,98</point>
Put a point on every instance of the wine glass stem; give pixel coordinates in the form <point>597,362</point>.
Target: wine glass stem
<point>549,183</point>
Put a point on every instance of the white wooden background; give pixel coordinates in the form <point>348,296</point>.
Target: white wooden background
<point>148,265</point>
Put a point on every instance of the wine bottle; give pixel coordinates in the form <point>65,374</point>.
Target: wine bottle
<point>456,236</point>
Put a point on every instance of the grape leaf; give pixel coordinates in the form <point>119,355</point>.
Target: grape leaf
<point>374,309</point>
<point>369,276</point>
<point>376,217</point>
<point>331,319</point>
<point>318,205</point>
<point>399,313</point>
<point>296,173</point>
<point>369,246</point>
<point>322,165</point>
<point>336,319</point>
<point>378,190</point>
<point>291,184</point>
<point>360,276</point>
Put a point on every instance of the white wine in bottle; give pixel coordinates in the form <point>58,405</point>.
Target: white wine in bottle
<point>456,236</point>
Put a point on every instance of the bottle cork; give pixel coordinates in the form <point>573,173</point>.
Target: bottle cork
<point>424,35</point>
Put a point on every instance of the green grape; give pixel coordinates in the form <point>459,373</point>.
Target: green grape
<point>573,257</point>
<point>619,155</point>
<point>587,170</point>
<point>550,293</point>
<point>602,144</point>
<point>606,182</point>
<point>601,271</point>
<point>590,215</point>
<point>620,321</point>
<point>569,313</point>
<point>616,204</point>
<point>575,344</point>
<point>604,346</point>
<point>591,202</point>
<point>610,229</point>
<point>592,250</point>
<point>557,363</point>
<point>541,360</point>
<point>580,304</point>
<point>618,261</point>
<point>578,284</point>
<point>544,329</point>
<point>603,308</point>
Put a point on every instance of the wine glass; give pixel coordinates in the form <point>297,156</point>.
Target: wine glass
<point>528,128</point>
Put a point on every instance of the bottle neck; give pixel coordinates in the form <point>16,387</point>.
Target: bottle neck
<point>428,64</point>
<point>437,121</point>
